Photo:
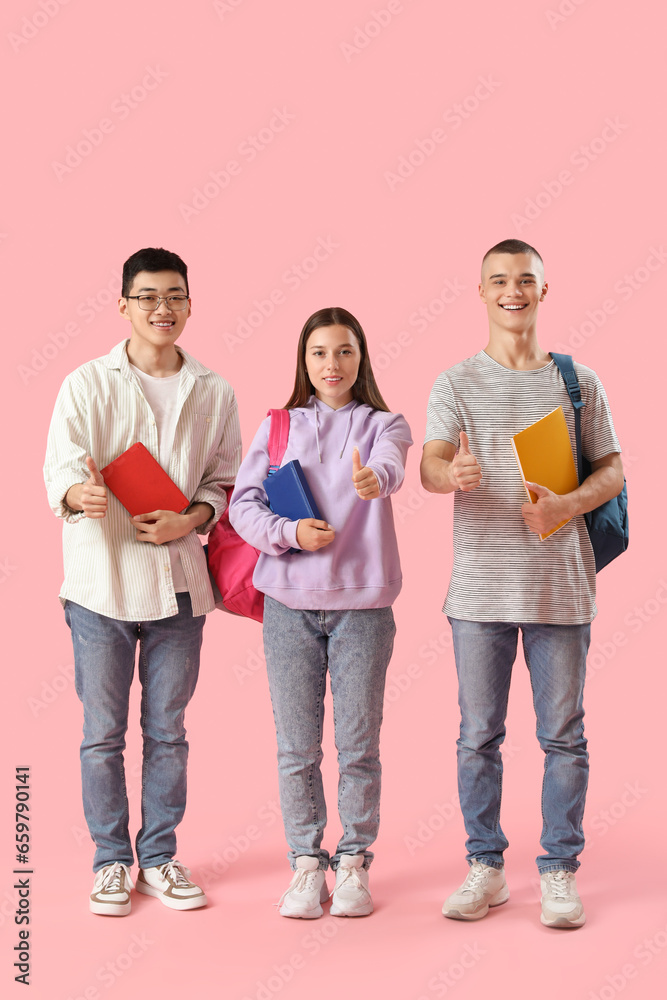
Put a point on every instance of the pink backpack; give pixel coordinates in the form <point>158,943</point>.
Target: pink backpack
<point>231,561</point>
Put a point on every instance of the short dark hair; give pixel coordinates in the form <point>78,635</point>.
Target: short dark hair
<point>152,259</point>
<point>513,247</point>
<point>364,390</point>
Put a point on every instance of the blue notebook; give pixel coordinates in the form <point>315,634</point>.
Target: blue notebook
<point>289,493</point>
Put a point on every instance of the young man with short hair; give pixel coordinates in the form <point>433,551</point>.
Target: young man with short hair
<point>140,579</point>
<point>505,580</point>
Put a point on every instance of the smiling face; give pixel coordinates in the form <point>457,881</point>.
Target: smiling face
<point>161,328</point>
<point>512,288</point>
<point>332,363</point>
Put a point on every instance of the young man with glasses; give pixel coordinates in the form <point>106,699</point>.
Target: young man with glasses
<point>505,580</point>
<point>140,579</point>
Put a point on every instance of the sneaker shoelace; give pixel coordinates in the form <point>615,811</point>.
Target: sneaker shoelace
<point>177,873</point>
<point>113,877</point>
<point>304,882</point>
<point>349,875</point>
<point>477,878</point>
<point>559,884</point>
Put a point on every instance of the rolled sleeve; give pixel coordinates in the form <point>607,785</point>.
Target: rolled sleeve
<point>66,450</point>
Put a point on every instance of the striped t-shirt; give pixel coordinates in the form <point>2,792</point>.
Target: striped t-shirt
<point>501,570</point>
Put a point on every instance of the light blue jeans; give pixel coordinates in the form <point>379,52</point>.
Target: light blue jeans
<point>355,647</point>
<point>104,654</point>
<point>556,659</point>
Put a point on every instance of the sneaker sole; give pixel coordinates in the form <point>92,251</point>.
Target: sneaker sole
<point>110,909</point>
<point>313,913</point>
<point>193,903</point>
<point>362,911</point>
<point>301,914</point>
<point>563,923</point>
<point>500,897</point>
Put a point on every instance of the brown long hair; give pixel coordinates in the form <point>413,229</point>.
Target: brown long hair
<point>364,390</point>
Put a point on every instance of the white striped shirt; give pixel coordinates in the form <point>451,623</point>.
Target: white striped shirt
<point>501,570</point>
<point>100,411</point>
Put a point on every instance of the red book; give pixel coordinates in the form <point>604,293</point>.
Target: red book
<point>141,484</point>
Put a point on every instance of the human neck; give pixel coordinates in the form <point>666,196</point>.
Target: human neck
<point>520,351</point>
<point>159,362</point>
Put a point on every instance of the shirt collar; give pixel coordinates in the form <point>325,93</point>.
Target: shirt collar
<point>118,359</point>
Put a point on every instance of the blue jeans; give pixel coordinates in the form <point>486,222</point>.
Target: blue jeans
<point>355,647</point>
<point>104,654</point>
<point>556,660</point>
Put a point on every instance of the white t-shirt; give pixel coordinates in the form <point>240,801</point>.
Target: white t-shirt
<point>502,571</point>
<point>162,395</point>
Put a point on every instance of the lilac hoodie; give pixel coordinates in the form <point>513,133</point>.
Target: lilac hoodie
<point>360,568</point>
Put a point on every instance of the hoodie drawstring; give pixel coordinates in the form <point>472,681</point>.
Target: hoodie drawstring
<point>347,431</point>
<point>317,432</point>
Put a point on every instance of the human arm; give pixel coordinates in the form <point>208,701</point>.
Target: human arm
<point>220,457</point>
<point>66,471</point>
<point>253,519</point>
<point>364,479</point>
<point>89,498</point>
<point>160,526</point>
<point>312,534</point>
<point>604,482</point>
<point>384,470</point>
<point>445,469</point>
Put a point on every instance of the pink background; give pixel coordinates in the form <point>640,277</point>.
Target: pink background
<point>484,107</point>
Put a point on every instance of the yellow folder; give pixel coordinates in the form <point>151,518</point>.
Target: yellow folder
<point>544,455</point>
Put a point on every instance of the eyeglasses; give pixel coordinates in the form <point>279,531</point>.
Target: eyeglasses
<point>149,303</point>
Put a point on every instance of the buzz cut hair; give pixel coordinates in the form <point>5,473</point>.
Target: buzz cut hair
<point>513,247</point>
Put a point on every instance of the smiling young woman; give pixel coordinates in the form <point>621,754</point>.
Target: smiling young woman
<point>328,595</point>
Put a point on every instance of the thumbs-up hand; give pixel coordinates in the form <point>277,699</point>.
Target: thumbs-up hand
<point>364,479</point>
<point>465,470</point>
<point>547,512</point>
<point>91,496</point>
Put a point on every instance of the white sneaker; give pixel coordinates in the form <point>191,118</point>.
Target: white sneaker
<point>561,905</point>
<point>306,892</point>
<point>171,884</point>
<point>351,897</point>
<point>484,887</point>
<point>111,891</point>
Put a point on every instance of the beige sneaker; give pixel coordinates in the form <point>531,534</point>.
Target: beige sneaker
<point>111,891</point>
<point>484,887</point>
<point>306,892</point>
<point>171,884</point>
<point>351,896</point>
<point>561,905</point>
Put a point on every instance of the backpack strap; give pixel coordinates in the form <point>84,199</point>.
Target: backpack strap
<point>565,366</point>
<point>278,437</point>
